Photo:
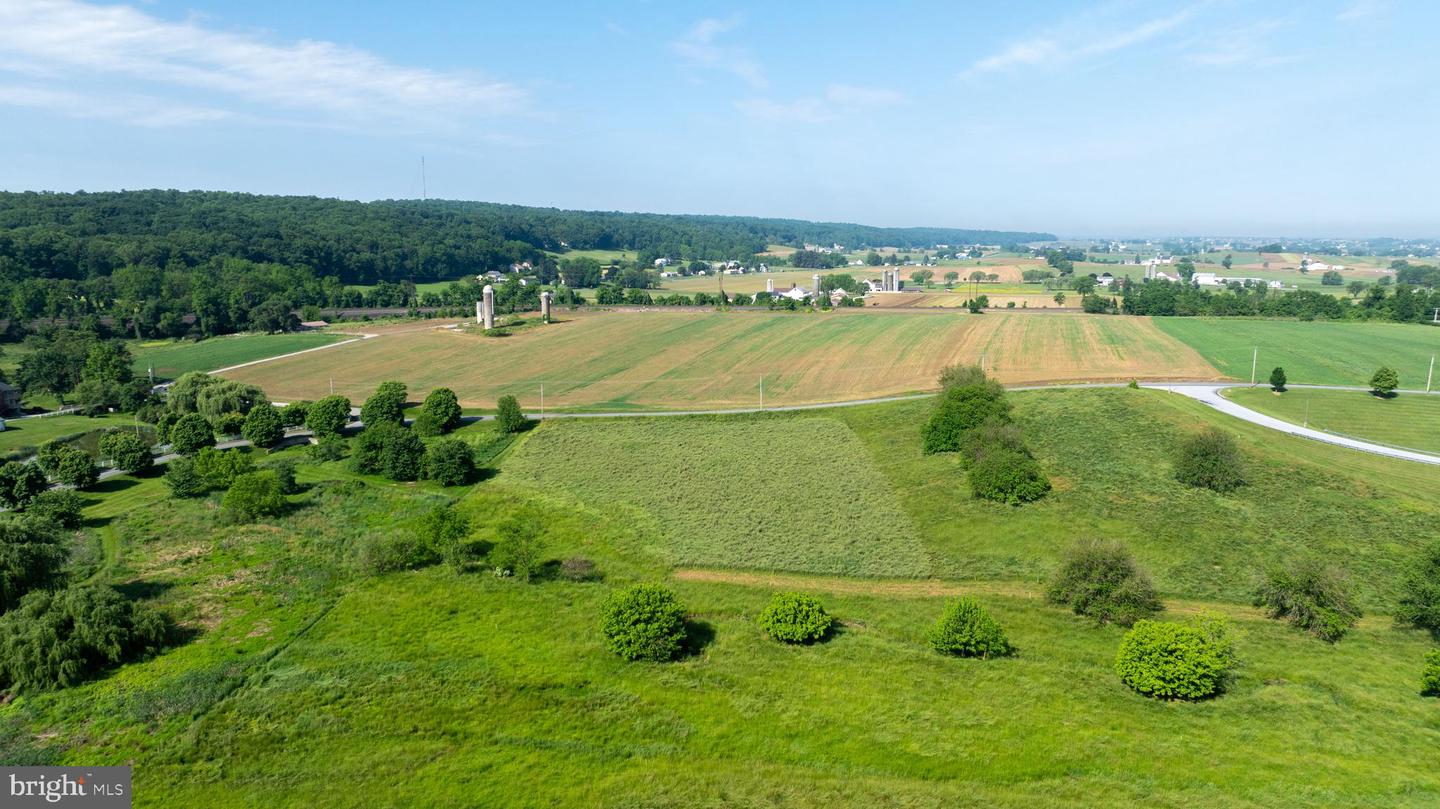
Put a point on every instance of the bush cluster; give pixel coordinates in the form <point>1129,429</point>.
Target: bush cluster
<point>644,622</point>
<point>1430,675</point>
<point>1101,580</point>
<point>253,495</point>
<point>966,629</point>
<point>440,414</point>
<point>509,415</point>
<point>518,550</point>
<point>1210,460</point>
<point>31,557</point>
<point>795,618</point>
<point>127,451</point>
<point>328,416</point>
<point>20,483</point>
<point>1312,596</point>
<point>385,406</point>
<point>973,418</point>
<point>1177,661</point>
<point>57,638</point>
<point>1419,603</point>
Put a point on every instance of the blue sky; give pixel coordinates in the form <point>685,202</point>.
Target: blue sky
<point>1082,118</point>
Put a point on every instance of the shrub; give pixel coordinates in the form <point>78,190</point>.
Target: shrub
<point>1210,460</point>
<point>507,413</point>
<point>425,425</point>
<point>1101,580</point>
<point>220,467</point>
<point>293,414</point>
<point>58,506</point>
<point>954,376</point>
<point>518,550</point>
<point>264,426</point>
<point>74,467</point>
<point>400,551</point>
<point>183,479</point>
<point>127,451</point>
<point>228,423</point>
<point>442,409</point>
<point>1430,676</point>
<point>328,416</point>
<point>1277,380</point>
<point>253,495</point>
<point>1007,476</point>
<point>284,470</point>
<point>966,629</point>
<point>403,457</point>
<point>20,483</point>
<point>578,568</point>
<point>49,455</point>
<point>450,462</point>
<point>643,622</point>
<point>327,448</point>
<point>963,408</point>
<point>1312,596</point>
<point>1420,590</point>
<point>795,618</point>
<point>444,530</point>
<point>31,558</point>
<point>1385,381</point>
<point>1176,661</point>
<point>368,448</point>
<point>58,638</point>
<point>994,433</point>
<point>190,433</point>
<point>386,405</point>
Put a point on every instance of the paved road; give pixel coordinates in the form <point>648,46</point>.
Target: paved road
<point>1209,394</point>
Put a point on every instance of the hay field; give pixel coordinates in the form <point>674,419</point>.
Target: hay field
<point>661,359</point>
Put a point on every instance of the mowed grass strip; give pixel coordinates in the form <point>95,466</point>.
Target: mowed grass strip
<point>23,436</point>
<point>635,360</point>
<point>783,494</point>
<point>1316,352</point>
<point>1407,420</point>
<point>171,358</point>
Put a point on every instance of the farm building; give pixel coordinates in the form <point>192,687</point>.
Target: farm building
<point>9,399</point>
<point>1105,279</point>
<point>794,293</point>
<point>1210,279</point>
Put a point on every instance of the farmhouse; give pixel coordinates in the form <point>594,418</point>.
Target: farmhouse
<point>1104,279</point>
<point>9,399</point>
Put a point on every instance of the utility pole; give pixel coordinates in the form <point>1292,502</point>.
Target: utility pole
<point>542,400</point>
<point>332,386</point>
<point>762,391</point>
<point>1307,411</point>
<point>1430,376</point>
<point>1254,361</point>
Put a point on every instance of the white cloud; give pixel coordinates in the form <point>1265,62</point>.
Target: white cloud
<point>698,47</point>
<point>137,110</point>
<point>1046,49</point>
<point>66,40</point>
<point>1247,45</point>
<point>1360,9</point>
<point>837,101</point>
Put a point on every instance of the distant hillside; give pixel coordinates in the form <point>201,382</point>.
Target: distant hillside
<point>84,235</point>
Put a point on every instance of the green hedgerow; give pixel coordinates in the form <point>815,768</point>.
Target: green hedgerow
<point>1176,661</point>
<point>644,622</point>
<point>1430,676</point>
<point>963,408</point>
<point>1101,580</point>
<point>966,629</point>
<point>795,618</point>
<point>1314,597</point>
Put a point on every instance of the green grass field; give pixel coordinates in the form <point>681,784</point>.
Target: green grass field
<point>171,358</point>
<point>1408,420</point>
<point>770,494</point>
<point>1318,353</point>
<point>303,673</point>
<point>22,437</point>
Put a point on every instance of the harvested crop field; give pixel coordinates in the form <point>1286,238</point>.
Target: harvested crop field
<point>667,359</point>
